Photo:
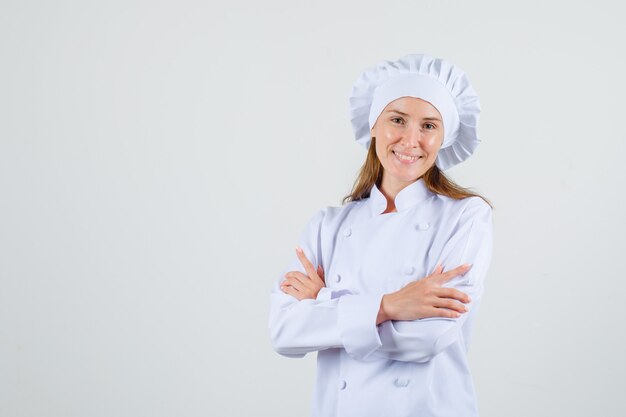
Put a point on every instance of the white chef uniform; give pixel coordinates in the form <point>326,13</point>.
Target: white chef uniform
<point>398,368</point>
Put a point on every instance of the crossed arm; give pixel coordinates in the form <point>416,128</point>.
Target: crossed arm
<point>412,324</point>
<point>417,300</point>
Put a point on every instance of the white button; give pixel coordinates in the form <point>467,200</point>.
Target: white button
<point>401,382</point>
<point>422,226</point>
<point>409,270</point>
<point>347,232</point>
<point>342,384</point>
<point>338,278</point>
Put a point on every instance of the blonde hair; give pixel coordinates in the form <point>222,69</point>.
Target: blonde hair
<point>435,180</point>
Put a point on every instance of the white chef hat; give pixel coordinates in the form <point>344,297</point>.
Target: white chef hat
<point>435,80</point>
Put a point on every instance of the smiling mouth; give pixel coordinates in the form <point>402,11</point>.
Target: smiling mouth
<point>406,158</point>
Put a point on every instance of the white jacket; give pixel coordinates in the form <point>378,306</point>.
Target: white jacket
<point>398,368</point>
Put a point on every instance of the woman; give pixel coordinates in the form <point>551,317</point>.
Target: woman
<point>386,287</point>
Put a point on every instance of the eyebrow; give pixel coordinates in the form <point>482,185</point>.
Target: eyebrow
<point>404,114</point>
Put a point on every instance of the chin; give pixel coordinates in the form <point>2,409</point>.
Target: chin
<point>408,177</point>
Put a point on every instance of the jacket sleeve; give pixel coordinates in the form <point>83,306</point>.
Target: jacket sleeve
<point>420,340</point>
<point>331,321</point>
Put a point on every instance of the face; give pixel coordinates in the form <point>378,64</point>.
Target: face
<point>409,133</point>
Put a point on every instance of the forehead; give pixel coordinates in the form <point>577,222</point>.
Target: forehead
<point>413,106</point>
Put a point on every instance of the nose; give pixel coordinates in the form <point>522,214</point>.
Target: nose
<point>412,137</point>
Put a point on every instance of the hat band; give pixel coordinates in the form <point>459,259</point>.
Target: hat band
<point>423,87</point>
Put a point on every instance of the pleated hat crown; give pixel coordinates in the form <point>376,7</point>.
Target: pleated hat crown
<point>435,80</point>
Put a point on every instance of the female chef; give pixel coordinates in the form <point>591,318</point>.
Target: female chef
<point>386,287</point>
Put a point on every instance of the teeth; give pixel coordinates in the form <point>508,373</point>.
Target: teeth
<point>406,158</point>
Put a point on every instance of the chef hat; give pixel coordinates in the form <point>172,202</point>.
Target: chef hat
<point>435,80</point>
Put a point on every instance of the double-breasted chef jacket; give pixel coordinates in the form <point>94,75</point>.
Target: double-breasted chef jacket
<point>397,368</point>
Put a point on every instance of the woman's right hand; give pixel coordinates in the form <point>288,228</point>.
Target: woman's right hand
<point>426,298</point>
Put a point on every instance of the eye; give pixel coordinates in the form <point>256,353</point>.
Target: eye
<point>397,118</point>
<point>432,126</point>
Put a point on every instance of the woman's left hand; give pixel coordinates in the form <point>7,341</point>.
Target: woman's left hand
<point>303,286</point>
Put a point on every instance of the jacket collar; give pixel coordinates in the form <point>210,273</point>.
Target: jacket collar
<point>409,196</point>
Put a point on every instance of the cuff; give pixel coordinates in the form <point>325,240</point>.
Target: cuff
<point>324,294</point>
<point>357,324</point>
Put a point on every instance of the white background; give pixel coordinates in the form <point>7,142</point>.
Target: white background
<point>158,160</point>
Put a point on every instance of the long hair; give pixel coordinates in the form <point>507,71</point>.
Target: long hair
<point>435,180</point>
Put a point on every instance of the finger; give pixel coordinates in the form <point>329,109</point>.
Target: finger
<point>320,272</point>
<point>303,290</point>
<point>452,293</point>
<point>443,312</point>
<point>291,291</point>
<point>438,269</point>
<point>450,305</point>
<point>447,276</point>
<point>308,266</point>
<point>295,283</point>
<point>304,280</point>
<point>297,274</point>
